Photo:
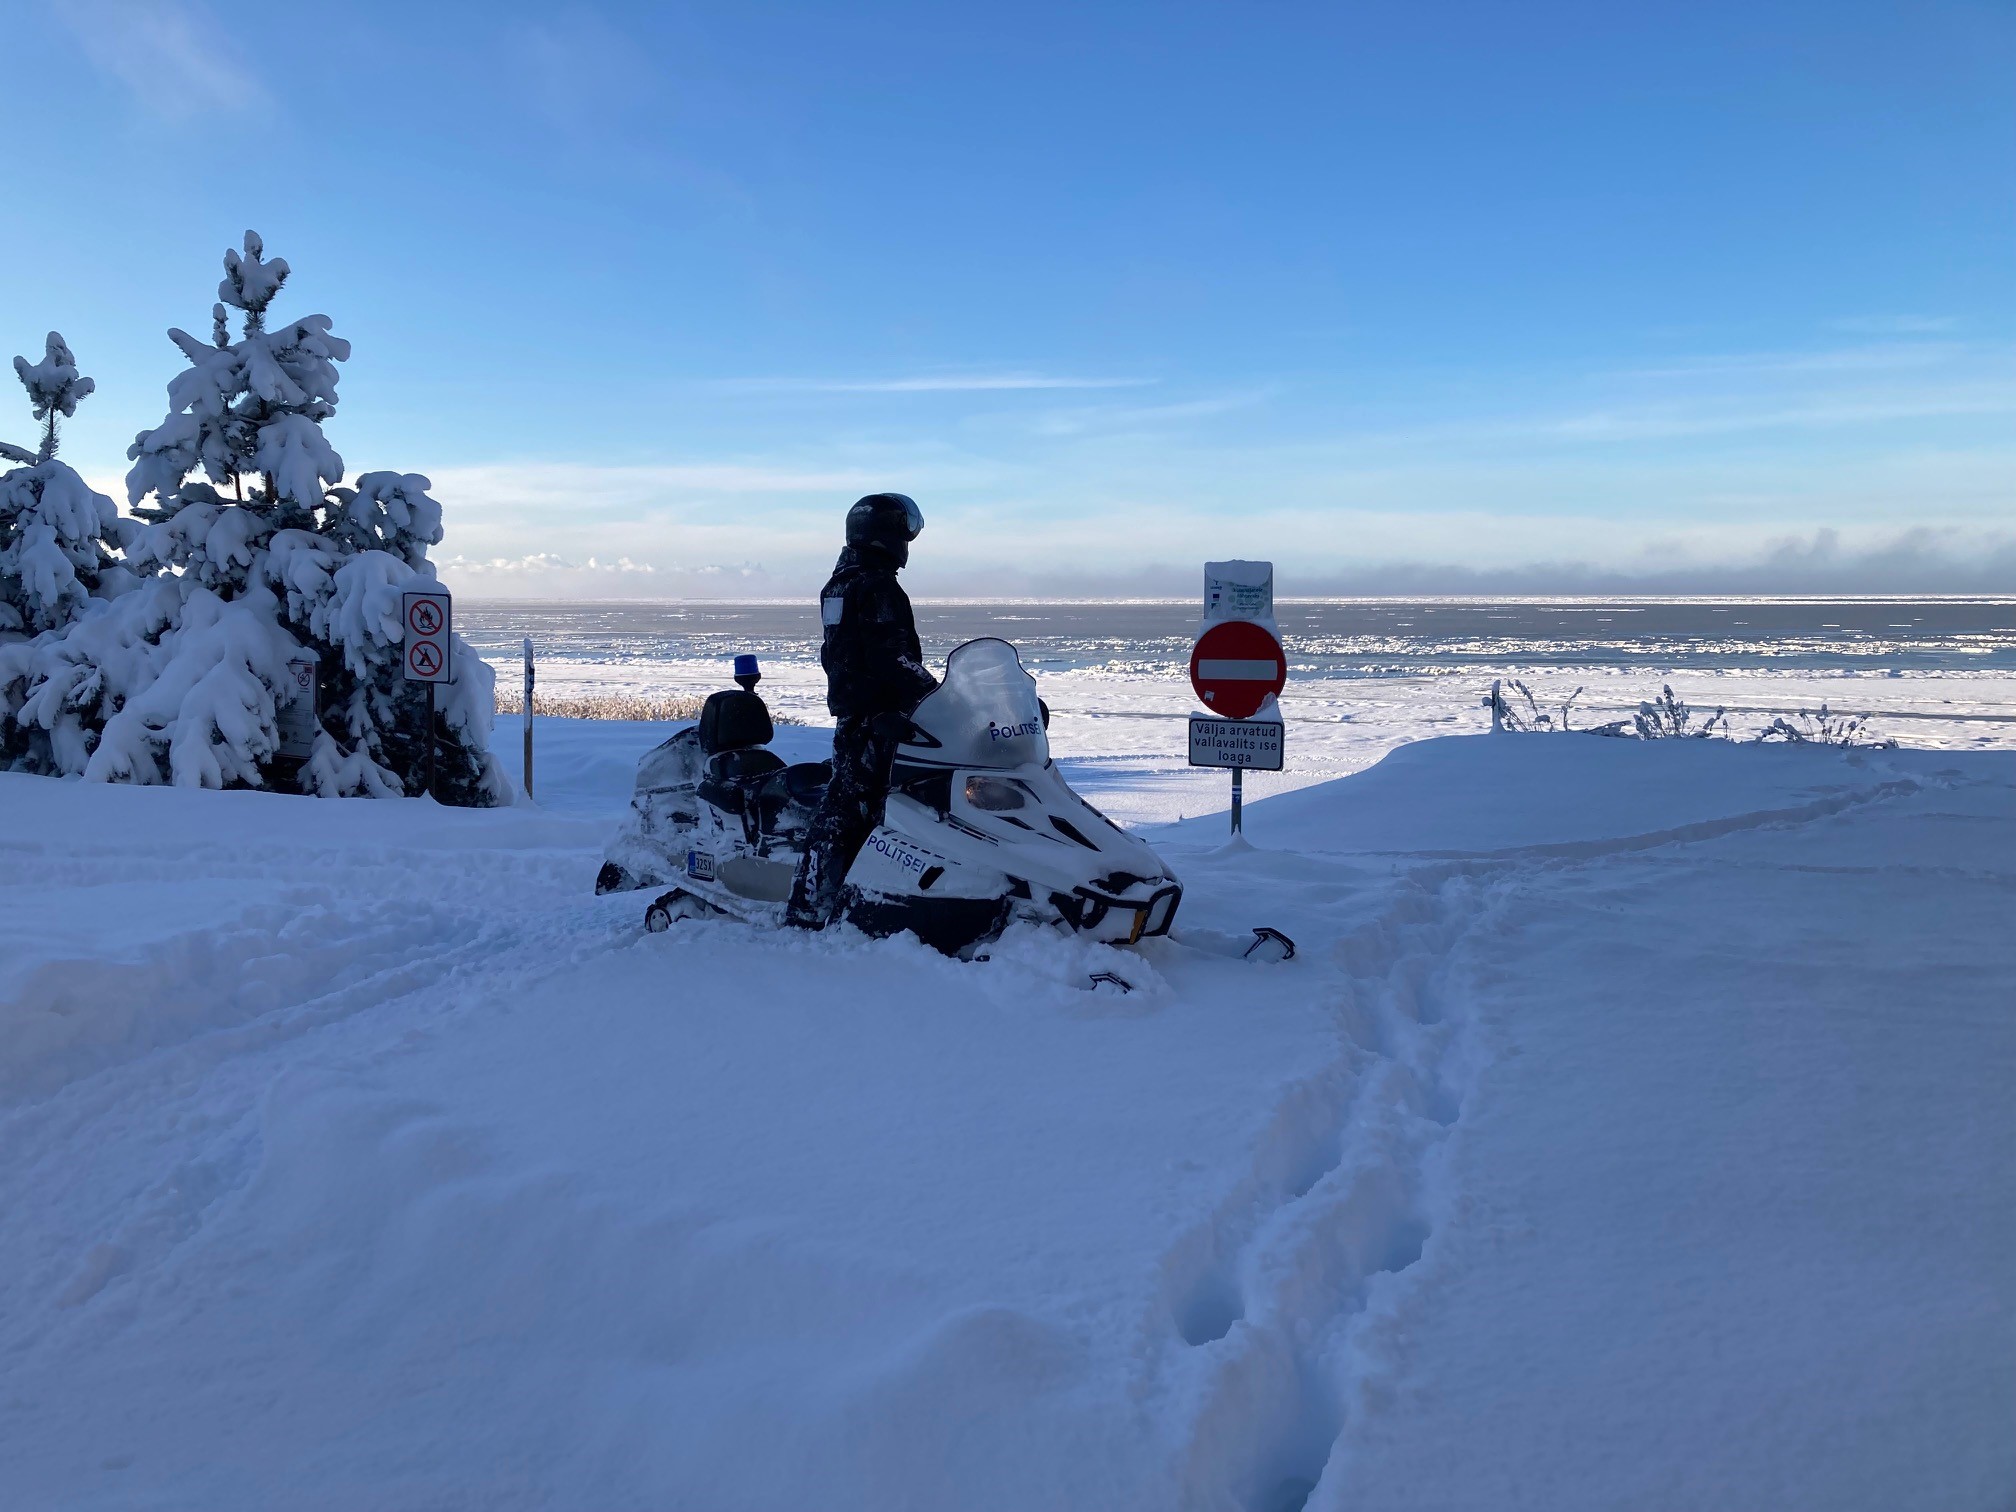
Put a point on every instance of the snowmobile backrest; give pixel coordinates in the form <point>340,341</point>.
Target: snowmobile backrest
<point>734,720</point>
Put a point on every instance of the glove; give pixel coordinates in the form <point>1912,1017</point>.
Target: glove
<point>891,729</point>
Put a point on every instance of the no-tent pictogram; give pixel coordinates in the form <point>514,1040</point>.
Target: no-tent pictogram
<point>429,621</point>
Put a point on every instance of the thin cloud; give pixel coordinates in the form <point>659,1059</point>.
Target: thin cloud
<point>930,383</point>
<point>1885,357</point>
<point>548,575</point>
<point>1895,325</point>
<point>563,486</point>
<point>174,57</point>
<point>1726,415</point>
<point>1656,424</point>
<point>1822,560</point>
<point>545,561</point>
<point>575,69</point>
<point>1125,418</point>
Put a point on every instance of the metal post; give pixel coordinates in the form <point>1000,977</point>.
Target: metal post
<point>1497,708</point>
<point>1238,798</point>
<point>528,716</point>
<point>431,742</point>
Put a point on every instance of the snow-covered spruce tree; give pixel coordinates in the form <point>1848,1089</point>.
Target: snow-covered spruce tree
<point>58,537</point>
<point>343,589</point>
<point>251,556</point>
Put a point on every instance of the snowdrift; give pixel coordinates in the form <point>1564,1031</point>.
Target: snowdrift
<point>1629,1131</point>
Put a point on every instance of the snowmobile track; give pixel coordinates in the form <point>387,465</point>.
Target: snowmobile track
<point>209,1068</point>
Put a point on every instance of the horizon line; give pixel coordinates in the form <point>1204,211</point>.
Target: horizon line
<point>805,600</point>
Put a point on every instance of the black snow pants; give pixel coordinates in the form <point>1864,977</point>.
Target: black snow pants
<point>847,815</point>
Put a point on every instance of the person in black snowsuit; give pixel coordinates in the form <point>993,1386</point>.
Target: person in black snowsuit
<point>875,676</point>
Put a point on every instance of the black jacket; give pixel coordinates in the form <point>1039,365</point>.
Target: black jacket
<point>873,662</point>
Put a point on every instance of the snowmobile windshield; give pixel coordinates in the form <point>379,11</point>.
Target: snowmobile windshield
<point>985,713</point>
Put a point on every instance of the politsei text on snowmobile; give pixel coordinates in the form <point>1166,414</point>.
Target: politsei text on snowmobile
<point>980,828</point>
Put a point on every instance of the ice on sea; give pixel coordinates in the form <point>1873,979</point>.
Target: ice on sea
<point>1365,676</point>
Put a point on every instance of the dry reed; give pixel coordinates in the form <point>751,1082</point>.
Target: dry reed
<point>643,706</point>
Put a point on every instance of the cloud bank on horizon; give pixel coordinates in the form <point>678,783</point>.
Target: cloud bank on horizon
<point>1422,299</point>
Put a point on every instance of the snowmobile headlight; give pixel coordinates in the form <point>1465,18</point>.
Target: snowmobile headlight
<point>996,795</point>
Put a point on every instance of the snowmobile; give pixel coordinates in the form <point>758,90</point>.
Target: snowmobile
<point>980,829</point>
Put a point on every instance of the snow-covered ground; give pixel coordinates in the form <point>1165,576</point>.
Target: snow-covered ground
<point>1632,1130</point>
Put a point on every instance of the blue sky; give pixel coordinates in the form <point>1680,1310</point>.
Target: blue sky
<point>1405,296</point>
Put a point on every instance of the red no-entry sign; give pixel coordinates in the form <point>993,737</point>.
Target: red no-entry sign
<point>1237,667</point>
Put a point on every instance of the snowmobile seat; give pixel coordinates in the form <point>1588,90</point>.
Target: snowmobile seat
<point>735,776</point>
<point>805,781</point>
<point>744,766</point>
<point>796,789</point>
<point>734,720</point>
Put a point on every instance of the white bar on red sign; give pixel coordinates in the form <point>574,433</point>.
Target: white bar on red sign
<point>1240,671</point>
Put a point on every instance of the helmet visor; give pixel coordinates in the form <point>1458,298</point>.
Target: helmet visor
<point>913,517</point>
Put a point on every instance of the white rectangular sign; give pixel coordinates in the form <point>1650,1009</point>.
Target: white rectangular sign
<point>298,714</point>
<point>1239,591</point>
<point>1254,743</point>
<point>429,624</point>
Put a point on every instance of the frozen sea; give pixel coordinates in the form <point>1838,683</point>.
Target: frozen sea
<point>1364,675</point>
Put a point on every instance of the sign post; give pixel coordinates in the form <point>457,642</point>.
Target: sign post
<point>1238,669</point>
<point>528,716</point>
<point>429,618</point>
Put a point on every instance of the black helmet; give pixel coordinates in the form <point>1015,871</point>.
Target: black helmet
<point>888,522</point>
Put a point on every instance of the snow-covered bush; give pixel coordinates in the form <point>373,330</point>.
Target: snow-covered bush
<point>251,555</point>
<point>1523,715</point>
<point>1661,718</point>
<point>1823,728</point>
<point>1667,718</point>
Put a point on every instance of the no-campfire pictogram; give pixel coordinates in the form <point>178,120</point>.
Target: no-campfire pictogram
<point>429,620</point>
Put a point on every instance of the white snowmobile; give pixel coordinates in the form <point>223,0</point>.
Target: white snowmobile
<point>980,829</point>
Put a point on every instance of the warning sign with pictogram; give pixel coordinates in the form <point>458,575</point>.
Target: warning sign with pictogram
<point>428,615</point>
<point>296,710</point>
